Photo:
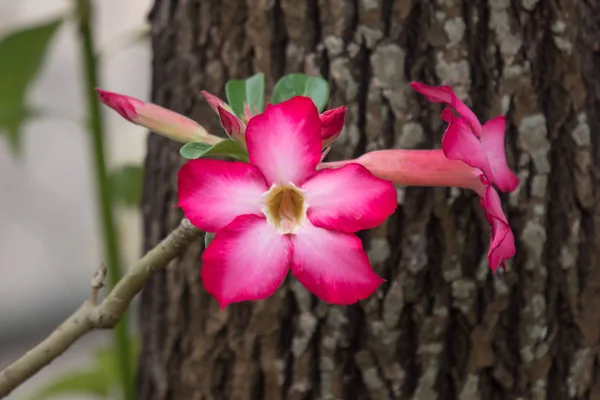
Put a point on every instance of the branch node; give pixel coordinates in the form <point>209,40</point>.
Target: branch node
<point>97,283</point>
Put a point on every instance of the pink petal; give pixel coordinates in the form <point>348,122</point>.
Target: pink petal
<point>348,199</point>
<point>445,94</point>
<point>332,123</point>
<point>247,260</point>
<point>459,143</point>
<point>284,142</point>
<point>502,242</point>
<point>212,192</point>
<point>232,125</point>
<point>332,265</point>
<point>492,141</point>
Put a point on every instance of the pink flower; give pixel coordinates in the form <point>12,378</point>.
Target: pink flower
<point>277,213</point>
<point>332,121</point>
<point>156,118</point>
<point>433,168</point>
<point>465,139</point>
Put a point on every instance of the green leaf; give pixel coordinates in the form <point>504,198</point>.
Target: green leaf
<point>302,85</point>
<point>83,382</point>
<point>226,148</point>
<point>21,56</point>
<point>208,237</point>
<point>126,184</point>
<point>250,91</point>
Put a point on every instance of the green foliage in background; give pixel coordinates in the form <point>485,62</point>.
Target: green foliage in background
<point>101,380</point>
<point>21,56</point>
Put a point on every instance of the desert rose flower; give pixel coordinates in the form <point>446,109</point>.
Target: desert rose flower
<point>277,213</point>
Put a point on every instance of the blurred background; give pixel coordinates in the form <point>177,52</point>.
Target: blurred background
<point>50,240</point>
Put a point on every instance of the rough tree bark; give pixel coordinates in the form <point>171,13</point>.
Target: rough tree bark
<point>442,326</point>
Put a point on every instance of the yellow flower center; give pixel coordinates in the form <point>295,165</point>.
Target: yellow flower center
<point>285,208</point>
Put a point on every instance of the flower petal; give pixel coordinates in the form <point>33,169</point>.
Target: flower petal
<point>348,199</point>
<point>445,94</point>
<point>492,141</point>
<point>502,241</point>
<point>247,260</point>
<point>459,143</point>
<point>284,142</point>
<point>332,265</point>
<point>213,192</point>
<point>332,123</point>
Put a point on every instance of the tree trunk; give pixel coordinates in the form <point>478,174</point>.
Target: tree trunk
<point>442,327</point>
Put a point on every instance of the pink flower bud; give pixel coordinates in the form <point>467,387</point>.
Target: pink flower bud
<point>332,123</point>
<point>158,119</point>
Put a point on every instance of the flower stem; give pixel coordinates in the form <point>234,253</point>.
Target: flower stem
<point>96,127</point>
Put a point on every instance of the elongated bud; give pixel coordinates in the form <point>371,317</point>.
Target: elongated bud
<point>332,123</point>
<point>157,119</point>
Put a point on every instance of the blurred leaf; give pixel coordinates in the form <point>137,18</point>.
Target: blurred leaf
<point>21,57</point>
<point>208,237</point>
<point>227,147</point>
<point>106,361</point>
<point>126,184</point>
<point>250,91</point>
<point>302,85</point>
<point>124,41</point>
<point>83,382</point>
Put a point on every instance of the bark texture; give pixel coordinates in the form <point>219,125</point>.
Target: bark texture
<point>442,327</point>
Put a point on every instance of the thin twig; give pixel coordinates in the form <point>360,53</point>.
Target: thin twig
<point>102,316</point>
<point>97,283</point>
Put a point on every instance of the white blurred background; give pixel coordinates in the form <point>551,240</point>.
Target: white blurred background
<point>49,236</point>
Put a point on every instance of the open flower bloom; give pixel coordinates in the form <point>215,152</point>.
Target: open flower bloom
<point>465,139</point>
<point>277,213</point>
<point>332,121</point>
<point>158,119</point>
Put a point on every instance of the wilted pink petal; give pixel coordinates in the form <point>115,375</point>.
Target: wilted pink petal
<point>332,123</point>
<point>332,265</point>
<point>445,94</point>
<point>158,119</point>
<point>284,142</point>
<point>492,142</point>
<point>213,192</point>
<point>502,241</point>
<point>348,199</point>
<point>247,260</point>
<point>416,168</point>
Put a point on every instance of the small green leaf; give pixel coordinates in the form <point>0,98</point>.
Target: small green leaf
<point>208,237</point>
<point>226,148</point>
<point>83,382</point>
<point>21,56</point>
<point>126,185</point>
<point>250,91</point>
<point>302,85</point>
